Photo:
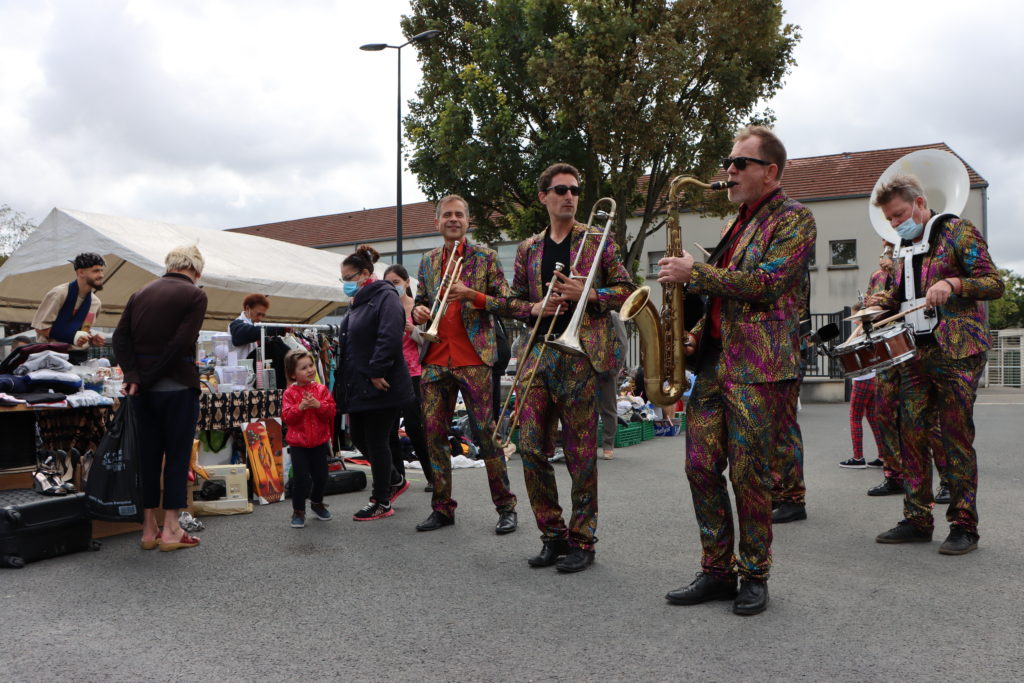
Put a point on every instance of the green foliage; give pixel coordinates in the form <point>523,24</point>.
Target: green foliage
<point>14,228</point>
<point>620,89</point>
<point>1008,312</point>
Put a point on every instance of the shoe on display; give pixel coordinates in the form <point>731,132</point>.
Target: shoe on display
<point>854,464</point>
<point>373,510</point>
<point>890,486</point>
<point>905,532</point>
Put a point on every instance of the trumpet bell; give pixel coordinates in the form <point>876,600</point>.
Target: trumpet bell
<point>943,177</point>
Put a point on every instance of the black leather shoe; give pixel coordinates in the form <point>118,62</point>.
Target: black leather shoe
<point>576,561</point>
<point>550,553</point>
<point>436,520</point>
<point>704,588</point>
<point>752,598</point>
<point>507,522</point>
<point>942,495</point>
<point>890,486</point>
<point>959,542</point>
<point>789,512</point>
<point>905,532</point>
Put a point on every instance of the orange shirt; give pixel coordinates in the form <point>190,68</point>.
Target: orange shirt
<point>454,349</point>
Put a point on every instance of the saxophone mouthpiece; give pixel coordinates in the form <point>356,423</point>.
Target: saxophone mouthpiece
<point>723,184</point>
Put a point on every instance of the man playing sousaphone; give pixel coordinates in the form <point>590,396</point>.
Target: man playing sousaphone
<point>954,270</point>
<point>461,358</point>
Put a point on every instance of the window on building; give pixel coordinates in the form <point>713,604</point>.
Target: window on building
<point>813,262</point>
<point>652,262</point>
<point>843,252</point>
<point>507,257</point>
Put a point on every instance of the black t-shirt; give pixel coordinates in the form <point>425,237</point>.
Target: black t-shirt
<point>555,252</point>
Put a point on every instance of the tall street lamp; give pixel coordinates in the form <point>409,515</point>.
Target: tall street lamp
<point>374,47</point>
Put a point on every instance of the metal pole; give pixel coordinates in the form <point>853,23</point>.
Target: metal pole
<point>398,208</point>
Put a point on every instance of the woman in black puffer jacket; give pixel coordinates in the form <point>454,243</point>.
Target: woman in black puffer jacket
<point>372,382</point>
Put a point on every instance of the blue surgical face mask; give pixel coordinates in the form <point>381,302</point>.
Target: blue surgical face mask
<point>908,229</point>
<point>350,288</point>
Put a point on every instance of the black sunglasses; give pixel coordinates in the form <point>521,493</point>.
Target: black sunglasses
<point>560,190</point>
<point>741,162</point>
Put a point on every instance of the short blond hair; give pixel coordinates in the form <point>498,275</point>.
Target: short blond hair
<point>185,258</point>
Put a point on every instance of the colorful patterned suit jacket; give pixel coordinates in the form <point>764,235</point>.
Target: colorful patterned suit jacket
<point>612,284</point>
<point>958,250</point>
<point>481,270</point>
<point>878,282</point>
<point>760,288</point>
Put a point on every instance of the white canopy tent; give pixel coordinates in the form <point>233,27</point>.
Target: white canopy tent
<point>302,283</point>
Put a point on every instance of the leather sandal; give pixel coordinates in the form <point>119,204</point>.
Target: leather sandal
<point>185,541</point>
<point>151,545</point>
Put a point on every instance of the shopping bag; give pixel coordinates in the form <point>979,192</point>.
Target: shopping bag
<point>113,491</point>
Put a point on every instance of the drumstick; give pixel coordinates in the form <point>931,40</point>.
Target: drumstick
<point>901,314</point>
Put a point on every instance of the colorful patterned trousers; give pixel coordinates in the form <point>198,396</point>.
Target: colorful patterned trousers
<point>887,419</point>
<point>863,404</point>
<point>564,388</point>
<point>440,386</point>
<point>788,464</point>
<point>939,391</point>
<point>733,425</point>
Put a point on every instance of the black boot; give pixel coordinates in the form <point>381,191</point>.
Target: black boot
<point>550,553</point>
<point>752,598</point>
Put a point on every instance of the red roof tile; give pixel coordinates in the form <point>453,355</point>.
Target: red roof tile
<point>845,175</point>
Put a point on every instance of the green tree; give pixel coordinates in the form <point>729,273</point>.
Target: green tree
<point>14,228</point>
<point>1008,312</point>
<point>621,89</point>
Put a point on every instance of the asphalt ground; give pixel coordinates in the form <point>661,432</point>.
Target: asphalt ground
<point>377,601</point>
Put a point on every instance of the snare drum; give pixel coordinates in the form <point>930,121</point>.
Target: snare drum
<point>883,349</point>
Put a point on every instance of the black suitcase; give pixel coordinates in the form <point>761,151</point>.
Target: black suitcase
<point>36,527</point>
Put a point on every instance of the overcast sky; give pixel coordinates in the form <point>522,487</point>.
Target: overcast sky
<point>222,113</point>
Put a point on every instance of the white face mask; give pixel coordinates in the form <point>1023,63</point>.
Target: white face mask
<point>908,229</point>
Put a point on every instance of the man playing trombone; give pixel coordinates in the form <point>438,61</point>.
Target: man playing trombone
<point>747,367</point>
<point>561,384</point>
<point>466,285</point>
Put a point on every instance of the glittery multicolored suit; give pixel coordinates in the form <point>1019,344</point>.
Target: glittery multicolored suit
<point>741,389</point>
<point>564,388</point>
<point>940,384</point>
<point>788,466</point>
<point>481,271</point>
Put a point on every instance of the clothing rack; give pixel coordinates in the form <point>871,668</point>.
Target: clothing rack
<point>263,334</point>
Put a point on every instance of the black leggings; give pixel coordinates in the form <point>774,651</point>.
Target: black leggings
<point>414,429</point>
<point>167,426</point>
<point>371,433</point>
<point>308,464</point>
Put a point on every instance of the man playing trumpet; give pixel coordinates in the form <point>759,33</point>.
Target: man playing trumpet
<point>461,359</point>
<point>564,385</point>
<point>748,365</point>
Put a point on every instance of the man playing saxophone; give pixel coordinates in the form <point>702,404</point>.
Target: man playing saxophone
<point>564,385</point>
<point>748,361</point>
<point>461,359</point>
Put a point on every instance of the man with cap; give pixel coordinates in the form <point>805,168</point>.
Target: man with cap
<point>67,312</point>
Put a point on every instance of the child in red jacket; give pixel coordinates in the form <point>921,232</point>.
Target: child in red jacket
<point>308,411</point>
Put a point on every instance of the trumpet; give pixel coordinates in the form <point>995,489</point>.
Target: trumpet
<point>504,428</point>
<point>451,275</point>
<point>663,338</point>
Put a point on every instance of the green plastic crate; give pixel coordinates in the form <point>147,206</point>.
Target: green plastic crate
<point>628,435</point>
<point>646,430</point>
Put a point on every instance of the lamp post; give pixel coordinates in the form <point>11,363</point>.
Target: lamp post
<point>375,47</point>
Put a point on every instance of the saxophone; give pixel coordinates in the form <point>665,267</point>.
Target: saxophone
<point>662,336</point>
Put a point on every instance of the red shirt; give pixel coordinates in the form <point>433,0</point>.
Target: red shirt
<point>715,322</point>
<point>308,428</point>
<point>454,350</point>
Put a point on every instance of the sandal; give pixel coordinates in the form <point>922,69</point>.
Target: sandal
<point>185,541</point>
<point>151,545</point>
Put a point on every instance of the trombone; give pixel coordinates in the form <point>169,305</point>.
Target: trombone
<point>569,340</point>
<point>451,275</point>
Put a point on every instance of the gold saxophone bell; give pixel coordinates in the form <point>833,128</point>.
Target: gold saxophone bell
<point>663,337</point>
